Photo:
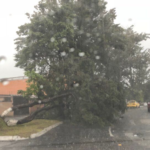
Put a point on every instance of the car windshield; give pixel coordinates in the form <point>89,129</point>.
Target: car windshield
<point>75,75</point>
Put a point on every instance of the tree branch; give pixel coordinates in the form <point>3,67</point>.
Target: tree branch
<point>33,104</point>
<point>30,117</point>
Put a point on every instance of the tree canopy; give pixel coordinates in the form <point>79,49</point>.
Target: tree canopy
<point>75,46</point>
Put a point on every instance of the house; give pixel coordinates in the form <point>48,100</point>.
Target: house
<point>9,96</point>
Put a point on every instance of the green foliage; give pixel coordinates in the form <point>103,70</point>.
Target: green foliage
<point>146,91</point>
<point>76,47</point>
<point>134,94</point>
<point>106,101</point>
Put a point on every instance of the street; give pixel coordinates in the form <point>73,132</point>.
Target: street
<point>129,133</point>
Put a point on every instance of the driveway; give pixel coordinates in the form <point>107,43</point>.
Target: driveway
<point>130,133</point>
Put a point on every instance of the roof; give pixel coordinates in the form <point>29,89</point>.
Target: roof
<point>13,78</point>
<point>10,86</point>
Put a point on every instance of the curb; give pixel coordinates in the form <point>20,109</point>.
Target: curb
<point>32,136</point>
<point>12,138</point>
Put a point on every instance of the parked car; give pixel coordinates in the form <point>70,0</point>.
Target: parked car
<point>148,106</point>
<point>133,103</point>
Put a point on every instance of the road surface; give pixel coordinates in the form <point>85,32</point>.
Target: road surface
<point>132,132</point>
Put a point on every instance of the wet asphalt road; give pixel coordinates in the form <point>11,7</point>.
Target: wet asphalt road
<point>130,133</point>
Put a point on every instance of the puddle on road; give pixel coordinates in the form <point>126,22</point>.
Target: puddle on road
<point>134,135</point>
<point>138,135</point>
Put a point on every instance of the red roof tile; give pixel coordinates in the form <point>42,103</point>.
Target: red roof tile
<point>12,87</point>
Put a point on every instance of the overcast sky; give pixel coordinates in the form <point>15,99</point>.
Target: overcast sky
<point>12,15</point>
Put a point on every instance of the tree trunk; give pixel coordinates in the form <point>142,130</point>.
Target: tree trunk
<point>32,116</point>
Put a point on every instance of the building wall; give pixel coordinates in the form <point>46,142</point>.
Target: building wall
<point>11,87</point>
<point>5,105</point>
<point>1,98</point>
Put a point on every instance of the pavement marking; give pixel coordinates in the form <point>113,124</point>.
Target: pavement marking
<point>110,133</point>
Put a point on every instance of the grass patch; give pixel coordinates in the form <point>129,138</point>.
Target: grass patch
<point>25,130</point>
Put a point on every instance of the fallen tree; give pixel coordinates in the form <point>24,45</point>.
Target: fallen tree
<point>76,48</point>
<point>32,116</point>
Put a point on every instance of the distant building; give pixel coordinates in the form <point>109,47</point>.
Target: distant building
<point>8,96</point>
